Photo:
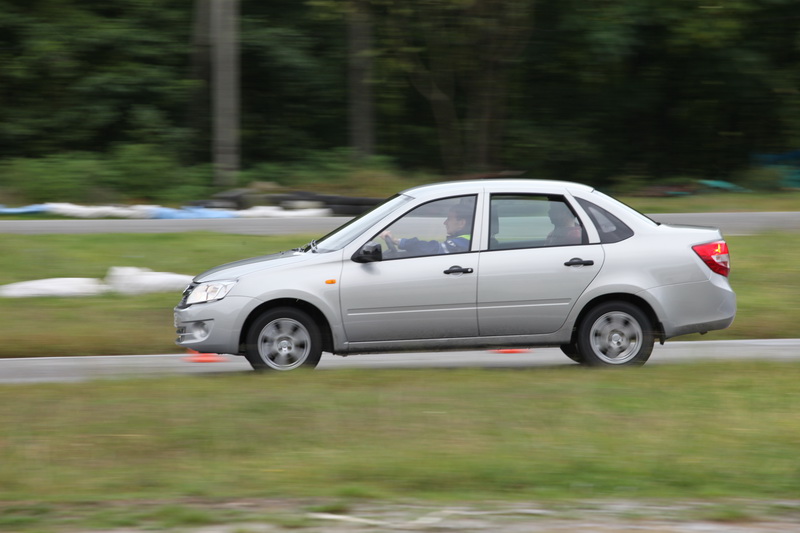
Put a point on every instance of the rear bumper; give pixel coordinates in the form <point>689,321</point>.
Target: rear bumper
<point>694,307</point>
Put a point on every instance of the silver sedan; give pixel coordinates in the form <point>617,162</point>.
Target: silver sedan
<point>471,264</point>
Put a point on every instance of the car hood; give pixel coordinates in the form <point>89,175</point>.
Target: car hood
<point>243,267</point>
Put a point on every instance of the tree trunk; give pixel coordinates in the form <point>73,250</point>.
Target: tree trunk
<point>484,131</point>
<point>438,91</point>
<point>361,109</point>
<point>198,110</point>
<point>225,90</point>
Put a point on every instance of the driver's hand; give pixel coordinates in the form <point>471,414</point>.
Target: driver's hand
<point>387,235</point>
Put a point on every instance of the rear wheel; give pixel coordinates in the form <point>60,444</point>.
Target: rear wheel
<point>283,339</point>
<point>615,334</point>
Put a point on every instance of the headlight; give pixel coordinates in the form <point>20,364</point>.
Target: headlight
<point>209,292</point>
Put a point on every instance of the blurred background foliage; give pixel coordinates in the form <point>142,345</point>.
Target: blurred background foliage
<point>109,101</point>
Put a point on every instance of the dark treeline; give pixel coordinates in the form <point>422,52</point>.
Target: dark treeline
<point>115,95</point>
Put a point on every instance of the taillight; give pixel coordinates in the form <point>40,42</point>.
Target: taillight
<point>715,255</point>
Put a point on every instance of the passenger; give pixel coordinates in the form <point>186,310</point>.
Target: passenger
<point>566,230</point>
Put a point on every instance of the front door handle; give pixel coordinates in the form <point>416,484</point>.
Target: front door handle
<point>577,261</point>
<point>455,269</point>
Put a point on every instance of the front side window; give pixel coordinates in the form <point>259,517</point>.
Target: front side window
<point>439,227</point>
<point>532,221</point>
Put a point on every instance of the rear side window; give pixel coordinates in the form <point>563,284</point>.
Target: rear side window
<point>610,228</point>
<point>532,221</point>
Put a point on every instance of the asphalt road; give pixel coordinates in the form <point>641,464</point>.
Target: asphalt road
<point>729,223</point>
<point>76,369</point>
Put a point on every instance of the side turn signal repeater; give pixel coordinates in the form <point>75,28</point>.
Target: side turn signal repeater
<point>330,282</point>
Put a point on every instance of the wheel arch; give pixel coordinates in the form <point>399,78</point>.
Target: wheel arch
<point>311,310</point>
<point>641,303</point>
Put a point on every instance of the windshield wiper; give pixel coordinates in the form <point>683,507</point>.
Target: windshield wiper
<point>312,246</point>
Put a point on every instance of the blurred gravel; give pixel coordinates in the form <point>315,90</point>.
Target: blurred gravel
<point>591,517</point>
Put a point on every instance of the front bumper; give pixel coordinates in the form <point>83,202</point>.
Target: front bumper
<point>212,327</point>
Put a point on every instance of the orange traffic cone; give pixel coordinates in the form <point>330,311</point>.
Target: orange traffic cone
<point>197,357</point>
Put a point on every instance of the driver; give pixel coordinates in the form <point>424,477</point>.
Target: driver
<point>457,224</point>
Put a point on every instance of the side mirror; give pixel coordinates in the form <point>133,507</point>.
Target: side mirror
<point>369,253</point>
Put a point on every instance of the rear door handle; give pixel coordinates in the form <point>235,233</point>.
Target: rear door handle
<point>455,269</point>
<point>577,261</point>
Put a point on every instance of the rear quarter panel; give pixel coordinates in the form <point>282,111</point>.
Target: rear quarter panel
<point>659,266</point>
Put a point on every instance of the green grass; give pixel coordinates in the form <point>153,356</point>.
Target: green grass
<point>766,277</point>
<point>712,431</point>
<point>28,257</point>
<point>111,323</point>
<point>173,452</point>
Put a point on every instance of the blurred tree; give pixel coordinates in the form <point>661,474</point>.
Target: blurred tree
<point>360,100</point>
<point>199,119</point>
<point>458,55</point>
<point>356,17</point>
<point>582,90</point>
<point>225,85</point>
<point>660,88</point>
<point>83,75</point>
<point>294,81</point>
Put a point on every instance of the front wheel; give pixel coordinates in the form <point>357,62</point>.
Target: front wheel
<point>283,339</point>
<point>571,351</point>
<point>615,334</point>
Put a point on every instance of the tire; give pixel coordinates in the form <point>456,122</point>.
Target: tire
<point>571,351</point>
<point>615,334</point>
<point>283,339</point>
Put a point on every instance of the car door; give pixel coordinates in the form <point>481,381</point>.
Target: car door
<point>425,292</point>
<point>537,264</point>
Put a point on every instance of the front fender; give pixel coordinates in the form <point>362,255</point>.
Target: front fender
<point>317,286</point>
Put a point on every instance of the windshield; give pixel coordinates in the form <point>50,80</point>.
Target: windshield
<point>344,235</point>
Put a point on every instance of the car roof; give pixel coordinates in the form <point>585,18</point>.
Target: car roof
<point>495,185</point>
